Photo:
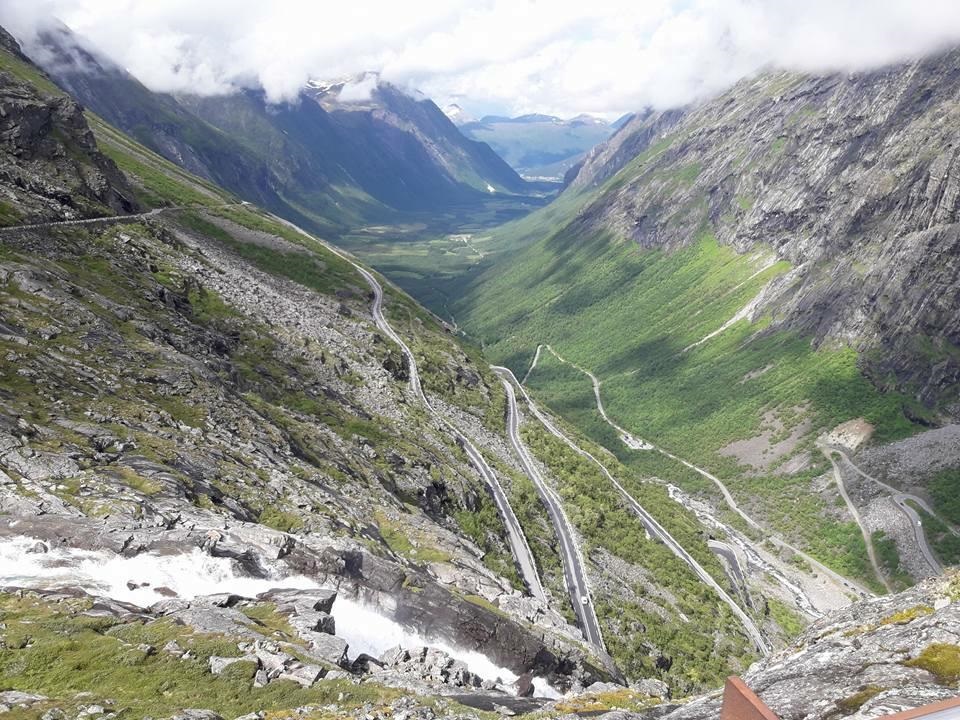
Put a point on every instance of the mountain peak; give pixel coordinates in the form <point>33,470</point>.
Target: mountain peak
<point>586,119</point>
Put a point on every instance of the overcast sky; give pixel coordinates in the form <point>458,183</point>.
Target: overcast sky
<point>603,57</point>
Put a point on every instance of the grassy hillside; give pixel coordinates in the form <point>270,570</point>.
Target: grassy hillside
<point>644,322</point>
<point>697,632</point>
<point>731,314</point>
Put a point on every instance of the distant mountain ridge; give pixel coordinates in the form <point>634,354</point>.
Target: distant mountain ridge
<point>538,145</point>
<point>332,164</point>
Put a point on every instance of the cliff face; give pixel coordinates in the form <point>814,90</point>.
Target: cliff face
<point>50,167</point>
<point>631,139</point>
<point>871,659</point>
<point>853,179</point>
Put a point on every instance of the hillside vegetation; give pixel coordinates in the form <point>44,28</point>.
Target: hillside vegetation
<point>729,321</point>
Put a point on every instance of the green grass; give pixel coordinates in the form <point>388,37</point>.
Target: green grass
<point>267,621</point>
<point>686,175</point>
<point>485,527</point>
<point>849,705</point>
<point>944,543</point>
<point>944,490</point>
<point>316,267</point>
<point>138,482</point>
<point>25,72</point>
<point>208,306</point>
<point>280,520</point>
<point>158,182</point>
<point>398,539</point>
<point>889,558</point>
<point>907,615</point>
<point>790,621</point>
<point>940,659</point>
<point>53,651</point>
<point>160,188</point>
<point>9,215</point>
<point>533,518</point>
<point>180,410</point>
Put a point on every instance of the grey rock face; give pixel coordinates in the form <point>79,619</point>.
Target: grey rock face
<point>320,600</point>
<point>851,178</point>
<point>50,162</point>
<point>327,647</point>
<point>15,698</point>
<point>883,646</point>
<point>652,687</point>
<point>219,664</point>
<point>424,664</point>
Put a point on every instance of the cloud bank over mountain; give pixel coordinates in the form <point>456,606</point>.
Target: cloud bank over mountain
<point>559,57</point>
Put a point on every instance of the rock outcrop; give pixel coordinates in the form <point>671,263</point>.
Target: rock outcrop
<point>874,658</point>
<point>50,167</point>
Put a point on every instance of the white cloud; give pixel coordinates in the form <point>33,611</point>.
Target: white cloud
<point>557,56</point>
<point>358,91</point>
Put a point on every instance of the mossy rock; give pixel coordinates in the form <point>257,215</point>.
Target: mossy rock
<point>941,660</point>
<point>850,705</point>
<point>908,615</point>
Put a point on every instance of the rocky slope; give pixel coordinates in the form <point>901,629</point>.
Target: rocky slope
<point>205,387</point>
<point>872,659</point>
<point>53,168</point>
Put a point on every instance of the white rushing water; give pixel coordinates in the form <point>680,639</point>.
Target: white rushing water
<point>196,573</point>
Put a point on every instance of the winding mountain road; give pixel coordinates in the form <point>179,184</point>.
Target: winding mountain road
<point>855,513</point>
<point>899,499</point>
<point>746,553</point>
<point>109,219</point>
<point>651,524</point>
<point>519,546</point>
<point>724,491</point>
<point>573,565</point>
<point>727,552</point>
<point>118,219</point>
